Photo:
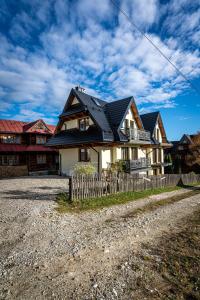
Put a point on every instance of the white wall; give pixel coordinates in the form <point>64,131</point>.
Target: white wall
<point>70,157</point>
<point>105,158</point>
<point>130,117</point>
<point>159,138</point>
<point>141,153</point>
<point>71,124</point>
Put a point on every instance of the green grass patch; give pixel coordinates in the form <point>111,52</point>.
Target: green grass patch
<point>64,205</point>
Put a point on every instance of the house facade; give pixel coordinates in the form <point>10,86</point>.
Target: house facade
<point>94,131</point>
<point>185,154</point>
<point>22,148</point>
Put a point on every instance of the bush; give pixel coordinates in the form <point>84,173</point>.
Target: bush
<point>87,169</point>
<point>118,166</point>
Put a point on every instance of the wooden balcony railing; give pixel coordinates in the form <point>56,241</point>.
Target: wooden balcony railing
<point>136,134</point>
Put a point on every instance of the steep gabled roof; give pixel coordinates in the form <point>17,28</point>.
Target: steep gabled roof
<point>13,126</point>
<point>186,139</point>
<point>116,110</point>
<point>107,116</point>
<point>95,108</point>
<point>149,121</point>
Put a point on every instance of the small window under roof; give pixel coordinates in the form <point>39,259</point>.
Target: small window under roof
<point>96,101</point>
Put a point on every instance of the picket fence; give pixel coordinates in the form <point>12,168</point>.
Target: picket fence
<point>84,186</point>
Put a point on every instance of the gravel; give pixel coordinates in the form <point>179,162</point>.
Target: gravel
<point>46,255</point>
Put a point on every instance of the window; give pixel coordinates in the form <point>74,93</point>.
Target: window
<point>159,155</point>
<point>154,156</point>
<point>158,134</point>
<point>125,153</point>
<point>134,153</point>
<point>96,101</point>
<point>83,124</point>
<point>41,139</point>
<point>131,124</point>
<point>9,160</point>
<point>41,159</point>
<point>84,154</point>
<point>10,139</point>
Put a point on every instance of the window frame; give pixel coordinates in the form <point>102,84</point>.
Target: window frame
<point>84,155</point>
<point>42,161</point>
<point>38,137</point>
<point>10,139</point>
<point>134,153</point>
<point>125,153</point>
<point>9,160</point>
<point>85,123</point>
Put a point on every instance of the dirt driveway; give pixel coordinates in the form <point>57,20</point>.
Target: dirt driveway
<point>45,255</point>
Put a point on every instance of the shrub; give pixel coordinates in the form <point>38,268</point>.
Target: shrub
<point>118,166</point>
<point>87,169</point>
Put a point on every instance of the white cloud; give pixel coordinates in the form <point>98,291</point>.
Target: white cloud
<point>83,43</point>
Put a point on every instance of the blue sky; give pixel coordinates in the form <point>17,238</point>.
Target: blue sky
<point>48,47</point>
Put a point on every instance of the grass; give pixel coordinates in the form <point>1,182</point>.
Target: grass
<point>170,268</point>
<point>64,205</point>
<point>162,202</point>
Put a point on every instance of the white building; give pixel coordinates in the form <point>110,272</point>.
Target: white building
<point>102,133</point>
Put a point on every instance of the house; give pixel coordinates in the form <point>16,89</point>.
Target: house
<point>22,149</point>
<point>102,133</point>
<point>185,154</point>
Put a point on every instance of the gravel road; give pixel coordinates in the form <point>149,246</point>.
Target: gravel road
<point>46,255</point>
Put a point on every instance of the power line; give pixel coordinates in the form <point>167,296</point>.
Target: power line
<point>155,46</point>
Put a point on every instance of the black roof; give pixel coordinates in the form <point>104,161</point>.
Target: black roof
<point>75,136</point>
<point>107,116</point>
<point>115,111</point>
<point>149,121</point>
<point>96,110</point>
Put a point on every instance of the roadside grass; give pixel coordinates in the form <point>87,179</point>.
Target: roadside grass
<point>162,202</point>
<point>169,269</point>
<point>64,205</point>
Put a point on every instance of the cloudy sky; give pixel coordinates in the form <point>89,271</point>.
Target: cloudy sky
<point>47,47</point>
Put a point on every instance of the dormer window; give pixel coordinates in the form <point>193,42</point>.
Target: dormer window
<point>83,124</point>
<point>41,139</point>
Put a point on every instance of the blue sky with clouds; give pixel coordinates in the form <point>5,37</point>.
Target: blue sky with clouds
<point>47,47</point>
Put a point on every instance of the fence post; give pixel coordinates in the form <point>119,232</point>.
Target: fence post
<point>70,189</point>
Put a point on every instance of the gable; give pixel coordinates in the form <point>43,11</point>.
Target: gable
<point>159,124</point>
<point>130,117</point>
<point>185,139</point>
<point>75,101</point>
<point>37,126</point>
<point>90,106</point>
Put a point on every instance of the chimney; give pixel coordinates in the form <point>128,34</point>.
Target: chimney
<point>79,88</point>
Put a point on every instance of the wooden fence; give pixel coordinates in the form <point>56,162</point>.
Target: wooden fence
<point>82,187</point>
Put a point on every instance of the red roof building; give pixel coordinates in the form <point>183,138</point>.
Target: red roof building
<point>23,144</point>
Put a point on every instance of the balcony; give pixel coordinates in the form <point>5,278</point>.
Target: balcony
<point>141,163</point>
<point>136,134</point>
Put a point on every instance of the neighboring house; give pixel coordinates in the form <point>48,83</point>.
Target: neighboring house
<point>185,154</point>
<point>102,133</point>
<point>22,149</point>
